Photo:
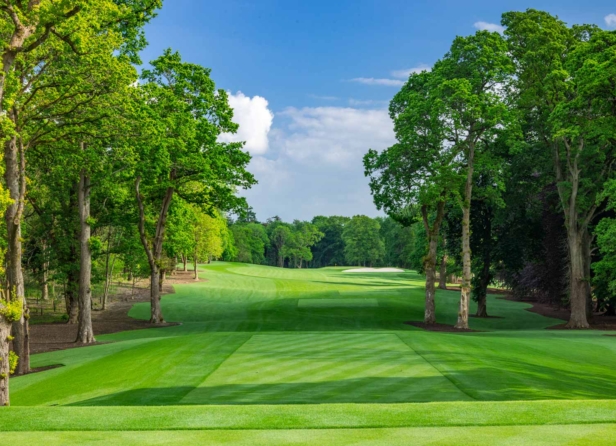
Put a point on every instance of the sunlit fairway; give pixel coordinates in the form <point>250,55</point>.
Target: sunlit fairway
<point>275,356</point>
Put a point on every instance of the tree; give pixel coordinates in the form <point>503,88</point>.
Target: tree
<point>209,234</point>
<point>279,237</point>
<point>34,34</point>
<point>329,251</point>
<point>249,241</point>
<point>419,173</point>
<point>303,236</point>
<point>471,104</point>
<point>564,79</point>
<point>362,241</point>
<point>184,115</point>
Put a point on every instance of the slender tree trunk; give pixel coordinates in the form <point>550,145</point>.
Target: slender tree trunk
<point>195,260</point>
<point>442,275</point>
<point>5,331</point>
<point>44,283</point>
<point>154,253</point>
<point>85,333</point>
<point>44,272</point>
<point>482,292</point>
<point>185,261</point>
<point>430,259</point>
<point>156,314</point>
<point>15,178</point>
<point>108,278</point>
<point>465,288</point>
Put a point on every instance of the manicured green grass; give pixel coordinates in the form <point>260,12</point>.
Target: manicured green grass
<point>277,349</point>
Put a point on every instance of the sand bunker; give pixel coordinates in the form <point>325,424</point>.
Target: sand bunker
<point>374,270</point>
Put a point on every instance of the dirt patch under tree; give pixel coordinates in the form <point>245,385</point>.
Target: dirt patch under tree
<point>61,336</point>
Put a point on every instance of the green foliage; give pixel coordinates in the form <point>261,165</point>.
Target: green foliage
<point>329,251</point>
<point>11,310</point>
<point>362,241</point>
<point>302,237</point>
<point>249,241</point>
<point>13,361</point>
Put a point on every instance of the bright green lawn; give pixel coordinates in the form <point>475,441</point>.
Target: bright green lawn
<point>332,348</point>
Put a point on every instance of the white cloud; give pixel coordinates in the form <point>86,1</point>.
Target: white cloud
<point>404,74</point>
<point>610,20</point>
<point>492,27</point>
<point>314,166</point>
<point>255,121</point>
<point>375,81</point>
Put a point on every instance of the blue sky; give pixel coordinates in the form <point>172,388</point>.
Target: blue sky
<point>310,80</point>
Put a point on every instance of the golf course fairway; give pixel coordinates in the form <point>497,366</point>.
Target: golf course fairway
<point>269,356</point>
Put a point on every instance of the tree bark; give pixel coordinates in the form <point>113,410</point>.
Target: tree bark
<point>442,275</point>
<point>85,333</point>
<point>576,228</point>
<point>161,279</point>
<point>195,260</point>
<point>430,259</point>
<point>5,331</point>
<point>465,288</point>
<point>185,262</point>
<point>44,272</point>
<point>108,278</point>
<point>577,282</point>
<point>15,178</point>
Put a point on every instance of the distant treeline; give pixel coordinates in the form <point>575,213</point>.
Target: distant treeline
<point>327,241</point>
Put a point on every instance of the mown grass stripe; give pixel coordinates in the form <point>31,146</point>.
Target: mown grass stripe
<point>318,416</point>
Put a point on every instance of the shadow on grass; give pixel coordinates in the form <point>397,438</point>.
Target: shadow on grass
<point>361,390</point>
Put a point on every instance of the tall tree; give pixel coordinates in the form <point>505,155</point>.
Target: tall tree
<point>34,33</point>
<point>565,79</point>
<point>419,173</point>
<point>471,103</point>
<point>183,115</point>
<point>362,241</point>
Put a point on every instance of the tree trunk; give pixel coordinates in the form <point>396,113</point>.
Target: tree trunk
<point>156,314</point>
<point>442,275</point>
<point>568,183</point>
<point>5,331</point>
<point>465,288</point>
<point>195,260</point>
<point>44,284</point>
<point>154,253</point>
<point>161,279</point>
<point>430,259</point>
<point>577,281</point>
<point>85,334</point>
<point>482,291</point>
<point>185,261</point>
<point>108,278</point>
<point>72,296</point>
<point>15,178</point>
<point>44,272</point>
<point>587,252</point>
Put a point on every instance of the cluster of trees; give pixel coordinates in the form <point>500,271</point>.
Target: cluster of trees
<point>505,153</point>
<point>328,241</point>
<point>103,166</point>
